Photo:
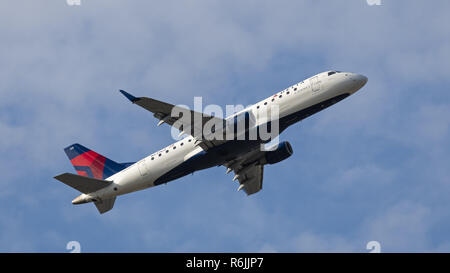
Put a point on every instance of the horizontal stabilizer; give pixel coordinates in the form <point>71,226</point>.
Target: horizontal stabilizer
<point>82,183</point>
<point>105,205</point>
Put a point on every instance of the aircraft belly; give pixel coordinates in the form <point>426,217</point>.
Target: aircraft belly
<point>203,160</point>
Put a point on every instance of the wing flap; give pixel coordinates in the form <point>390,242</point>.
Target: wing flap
<point>248,171</point>
<point>252,179</point>
<point>250,176</point>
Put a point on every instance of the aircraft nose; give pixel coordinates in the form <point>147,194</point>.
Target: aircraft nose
<point>363,79</point>
<point>359,81</point>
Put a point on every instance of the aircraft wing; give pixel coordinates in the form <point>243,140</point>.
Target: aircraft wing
<point>248,172</point>
<point>190,125</point>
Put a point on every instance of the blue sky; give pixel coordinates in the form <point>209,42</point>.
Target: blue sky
<point>376,166</point>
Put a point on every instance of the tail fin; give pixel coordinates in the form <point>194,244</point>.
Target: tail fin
<point>91,164</point>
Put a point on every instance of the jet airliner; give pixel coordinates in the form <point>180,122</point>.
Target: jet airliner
<point>100,180</point>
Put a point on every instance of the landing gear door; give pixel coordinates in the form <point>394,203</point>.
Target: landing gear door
<point>315,84</point>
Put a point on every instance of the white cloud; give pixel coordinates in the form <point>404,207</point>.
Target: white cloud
<point>403,227</point>
<point>310,242</point>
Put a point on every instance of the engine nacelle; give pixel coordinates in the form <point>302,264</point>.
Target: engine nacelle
<point>281,152</point>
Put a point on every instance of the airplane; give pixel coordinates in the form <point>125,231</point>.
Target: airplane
<point>100,180</point>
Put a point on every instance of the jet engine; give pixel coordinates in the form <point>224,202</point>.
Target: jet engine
<point>279,153</point>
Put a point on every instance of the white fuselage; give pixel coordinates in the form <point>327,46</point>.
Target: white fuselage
<point>293,99</point>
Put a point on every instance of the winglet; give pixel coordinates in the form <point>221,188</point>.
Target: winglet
<point>132,98</point>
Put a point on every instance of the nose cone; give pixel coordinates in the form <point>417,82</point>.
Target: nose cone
<point>358,81</point>
<point>363,80</point>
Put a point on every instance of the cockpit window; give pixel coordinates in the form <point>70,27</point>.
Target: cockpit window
<point>331,73</point>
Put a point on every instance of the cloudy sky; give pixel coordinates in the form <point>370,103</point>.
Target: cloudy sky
<point>376,166</point>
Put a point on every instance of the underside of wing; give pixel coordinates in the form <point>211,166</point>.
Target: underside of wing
<point>248,172</point>
<point>251,180</point>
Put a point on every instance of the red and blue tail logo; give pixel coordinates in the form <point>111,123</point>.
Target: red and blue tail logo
<point>91,164</point>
